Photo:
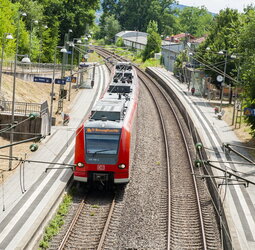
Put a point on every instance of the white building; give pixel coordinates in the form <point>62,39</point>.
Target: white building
<point>133,39</point>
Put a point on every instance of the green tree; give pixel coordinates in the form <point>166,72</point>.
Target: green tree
<point>7,15</point>
<point>153,41</point>
<point>222,37</point>
<point>109,7</point>
<point>195,21</point>
<point>120,42</point>
<point>246,48</point>
<point>111,28</point>
<point>161,12</point>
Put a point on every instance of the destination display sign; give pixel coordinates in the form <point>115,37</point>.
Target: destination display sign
<point>42,79</point>
<point>60,81</point>
<point>103,130</point>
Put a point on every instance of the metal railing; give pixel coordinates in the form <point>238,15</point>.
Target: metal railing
<point>8,66</point>
<point>22,108</point>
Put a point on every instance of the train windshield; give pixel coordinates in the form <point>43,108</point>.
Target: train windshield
<point>105,144</point>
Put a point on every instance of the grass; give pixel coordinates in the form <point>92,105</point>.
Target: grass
<point>56,223</point>
<point>94,57</point>
<point>137,58</point>
<point>95,206</point>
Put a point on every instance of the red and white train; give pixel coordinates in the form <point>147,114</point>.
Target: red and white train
<point>103,142</point>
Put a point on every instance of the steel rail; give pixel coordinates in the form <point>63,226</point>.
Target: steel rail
<point>167,159</point>
<point>107,223</point>
<point>71,226</point>
<point>193,176</point>
<point>75,218</point>
<point>186,147</point>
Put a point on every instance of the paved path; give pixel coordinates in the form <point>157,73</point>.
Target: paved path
<point>239,202</point>
<point>24,206</point>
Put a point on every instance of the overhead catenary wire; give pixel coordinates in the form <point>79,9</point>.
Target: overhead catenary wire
<point>212,67</point>
<point>22,160</point>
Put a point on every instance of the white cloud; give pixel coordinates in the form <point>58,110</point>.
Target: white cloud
<point>216,5</point>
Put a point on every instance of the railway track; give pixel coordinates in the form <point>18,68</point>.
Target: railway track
<point>185,222</point>
<point>87,224</point>
<point>186,227</point>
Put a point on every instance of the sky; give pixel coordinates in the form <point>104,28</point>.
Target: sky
<point>216,5</point>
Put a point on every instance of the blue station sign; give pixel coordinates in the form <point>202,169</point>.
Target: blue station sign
<point>68,78</point>
<point>249,112</point>
<point>60,81</point>
<point>42,79</point>
<point>71,79</point>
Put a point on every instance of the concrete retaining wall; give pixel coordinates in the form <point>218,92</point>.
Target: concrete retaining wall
<point>25,130</point>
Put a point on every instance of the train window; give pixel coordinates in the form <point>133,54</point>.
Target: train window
<point>102,144</point>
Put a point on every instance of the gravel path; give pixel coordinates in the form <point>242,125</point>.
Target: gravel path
<point>140,226</point>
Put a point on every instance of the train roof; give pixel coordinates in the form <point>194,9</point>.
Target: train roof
<point>108,109</point>
<point>115,102</point>
<point>103,124</point>
<point>123,66</point>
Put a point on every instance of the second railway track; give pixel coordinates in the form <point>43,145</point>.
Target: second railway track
<point>189,226</point>
<point>86,226</point>
<point>182,219</point>
<point>185,222</point>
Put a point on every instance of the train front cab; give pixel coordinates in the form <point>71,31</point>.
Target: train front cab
<point>106,153</point>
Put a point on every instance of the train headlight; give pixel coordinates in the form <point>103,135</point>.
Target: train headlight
<point>122,166</point>
<point>80,165</point>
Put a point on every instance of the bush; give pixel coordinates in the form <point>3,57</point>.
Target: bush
<point>120,42</point>
<point>56,223</point>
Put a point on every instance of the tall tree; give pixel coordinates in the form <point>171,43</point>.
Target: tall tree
<point>222,37</point>
<point>195,21</point>
<point>109,7</point>
<point>246,47</point>
<point>153,41</point>
<point>7,15</point>
<point>111,28</point>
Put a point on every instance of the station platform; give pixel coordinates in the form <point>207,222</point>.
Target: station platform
<point>238,200</point>
<point>30,193</point>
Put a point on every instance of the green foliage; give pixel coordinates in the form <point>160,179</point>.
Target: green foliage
<point>111,28</point>
<point>33,38</point>
<point>120,42</point>
<point>56,223</point>
<point>222,36</point>
<point>136,15</point>
<point>153,41</point>
<point>7,14</point>
<point>151,62</point>
<point>178,65</point>
<point>195,21</point>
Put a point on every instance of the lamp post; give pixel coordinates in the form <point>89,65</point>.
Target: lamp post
<point>222,52</point>
<point>24,60</point>
<point>6,36</point>
<point>238,84</point>
<point>64,61</point>
<point>136,45</point>
<point>14,85</point>
<point>40,52</point>
<point>31,31</point>
<point>72,45</point>
<point>63,50</point>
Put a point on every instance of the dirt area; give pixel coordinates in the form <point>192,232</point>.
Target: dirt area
<point>243,133</point>
<point>31,92</point>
